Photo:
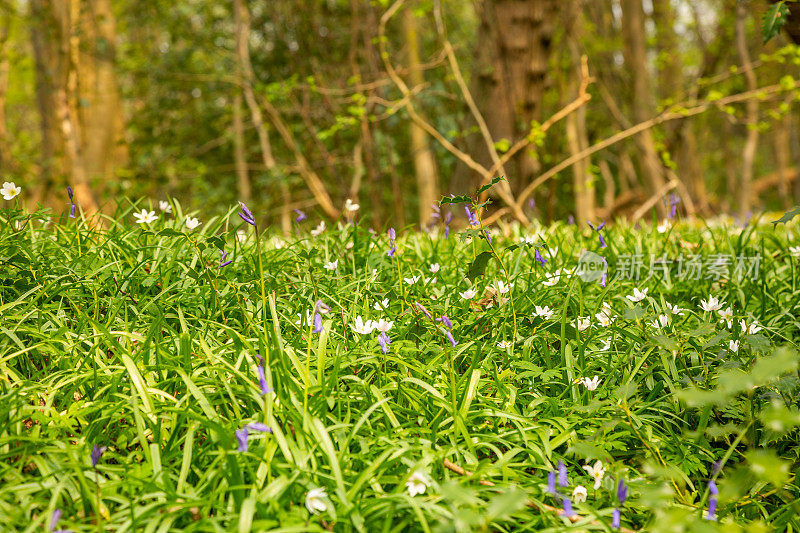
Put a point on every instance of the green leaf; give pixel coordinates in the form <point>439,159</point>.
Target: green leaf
<point>773,20</point>
<point>455,200</point>
<point>478,266</point>
<point>787,216</point>
<point>491,184</point>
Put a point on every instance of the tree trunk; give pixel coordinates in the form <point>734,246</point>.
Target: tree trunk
<point>5,67</point>
<point>635,53</point>
<point>100,113</point>
<point>577,138</point>
<point>751,110</point>
<point>424,162</point>
<point>239,154</point>
<point>783,156</point>
<point>512,53</point>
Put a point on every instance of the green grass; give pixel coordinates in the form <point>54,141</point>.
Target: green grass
<point>133,338</point>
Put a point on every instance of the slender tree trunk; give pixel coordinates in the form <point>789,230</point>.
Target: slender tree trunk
<point>751,107</point>
<point>5,68</point>
<point>635,52</point>
<point>239,153</point>
<point>424,162</point>
<point>577,138</point>
<point>242,22</point>
<point>783,156</point>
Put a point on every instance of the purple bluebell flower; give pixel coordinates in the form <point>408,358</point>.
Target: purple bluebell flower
<point>488,237</point>
<point>222,262</point>
<point>471,217</point>
<point>716,466</point>
<point>422,308</point>
<point>615,518</point>
<point>563,480</point>
<point>241,438</point>
<point>317,323</point>
<point>301,216</point>
<point>446,321</point>
<point>97,453</point>
<point>673,200</point>
<point>712,501</point>
<point>532,203</point>
<point>392,248</point>
<point>384,341</point>
<point>71,201</point>
<point>568,507</point>
<point>244,433</point>
<point>262,378</point>
<point>258,426</point>
<point>246,214</point>
<point>551,482</point>
<point>451,339</point>
<point>538,257</point>
<point>598,229</point>
<point>604,277</point>
<point>622,492</point>
<point>571,220</point>
<point>54,519</point>
<point>321,307</point>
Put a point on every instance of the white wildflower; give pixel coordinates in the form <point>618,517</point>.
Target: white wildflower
<point>468,294</point>
<point>10,190</point>
<point>315,501</point>
<point>192,223</point>
<point>361,327</point>
<point>145,217</point>
<point>590,384</point>
<point>383,325</point>
<point>350,206</point>
<point>638,295</point>
<point>417,483</point>
<point>316,232</point>
<point>165,206</point>
<point>597,472</point>
<point>331,265</point>
<point>579,494</point>
<point>712,304</point>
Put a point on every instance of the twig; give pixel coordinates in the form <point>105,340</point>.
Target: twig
<point>684,110</point>
<point>530,503</point>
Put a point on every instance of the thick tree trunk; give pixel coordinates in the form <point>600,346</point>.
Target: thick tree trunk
<point>512,53</point>
<point>635,52</point>
<point>424,162</point>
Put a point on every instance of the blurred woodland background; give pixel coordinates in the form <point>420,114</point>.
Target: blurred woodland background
<point>590,108</point>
